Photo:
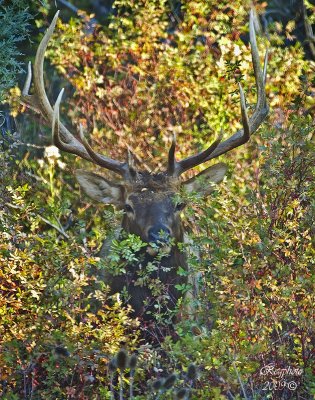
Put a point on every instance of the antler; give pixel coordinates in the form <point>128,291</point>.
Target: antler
<point>62,137</point>
<point>250,125</point>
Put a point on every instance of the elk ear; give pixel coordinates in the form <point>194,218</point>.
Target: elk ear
<point>203,183</point>
<point>99,188</point>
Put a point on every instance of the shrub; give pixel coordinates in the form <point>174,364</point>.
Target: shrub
<point>136,81</point>
<point>14,25</point>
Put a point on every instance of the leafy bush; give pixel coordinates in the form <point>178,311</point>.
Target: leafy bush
<point>145,78</point>
<point>14,24</point>
<point>138,80</point>
<point>257,286</point>
<point>50,340</point>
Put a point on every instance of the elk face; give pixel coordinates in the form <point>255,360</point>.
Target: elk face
<point>150,201</point>
<point>151,210</point>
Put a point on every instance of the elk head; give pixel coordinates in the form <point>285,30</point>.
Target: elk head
<point>149,201</point>
<point>147,198</point>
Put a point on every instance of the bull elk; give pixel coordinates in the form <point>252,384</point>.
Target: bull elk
<point>147,198</point>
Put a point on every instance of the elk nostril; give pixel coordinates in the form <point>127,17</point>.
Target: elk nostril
<point>159,233</point>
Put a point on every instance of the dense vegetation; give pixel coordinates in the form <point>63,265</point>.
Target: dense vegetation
<point>14,26</point>
<point>154,68</point>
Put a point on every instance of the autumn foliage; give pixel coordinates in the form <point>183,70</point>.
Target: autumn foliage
<point>147,73</point>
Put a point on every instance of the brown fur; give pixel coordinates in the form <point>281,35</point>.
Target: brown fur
<point>151,197</point>
<point>150,208</point>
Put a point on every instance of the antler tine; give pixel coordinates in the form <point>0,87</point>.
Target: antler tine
<point>28,80</point>
<point>27,99</point>
<point>176,168</point>
<point>171,157</point>
<point>131,161</point>
<point>39,86</point>
<point>245,120</point>
<point>265,66</point>
<point>56,123</point>
<point>39,102</point>
<point>261,95</point>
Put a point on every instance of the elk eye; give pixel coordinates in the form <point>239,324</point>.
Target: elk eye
<point>180,206</point>
<point>128,208</point>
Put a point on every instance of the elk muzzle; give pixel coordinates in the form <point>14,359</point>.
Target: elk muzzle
<point>159,233</point>
<point>159,236</point>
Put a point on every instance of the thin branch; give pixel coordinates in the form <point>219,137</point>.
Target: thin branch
<point>240,380</point>
<point>59,229</point>
<point>34,146</point>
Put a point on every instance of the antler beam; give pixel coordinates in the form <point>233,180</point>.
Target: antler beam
<point>176,168</point>
<point>250,125</point>
<point>62,137</point>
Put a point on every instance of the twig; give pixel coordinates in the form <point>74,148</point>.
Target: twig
<point>131,382</point>
<point>121,388</point>
<point>229,394</point>
<point>59,229</point>
<point>240,380</point>
<point>112,392</point>
<point>35,146</point>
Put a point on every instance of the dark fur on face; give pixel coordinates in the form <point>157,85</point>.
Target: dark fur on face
<point>152,212</point>
<point>150,205</point>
